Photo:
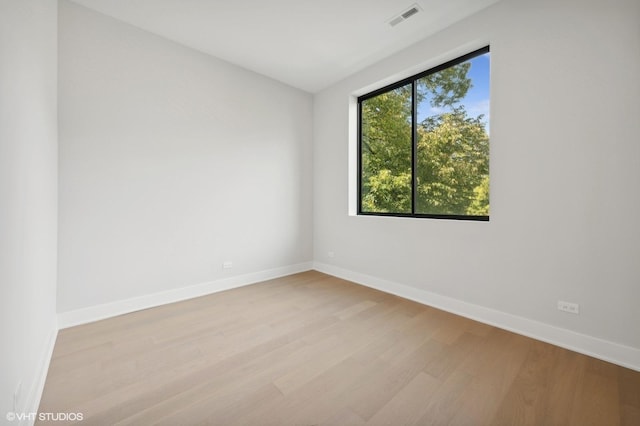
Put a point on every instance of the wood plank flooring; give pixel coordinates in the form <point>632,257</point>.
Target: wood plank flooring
<point>310,349</point>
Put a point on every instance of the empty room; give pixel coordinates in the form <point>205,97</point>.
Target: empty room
<point>293,212</point>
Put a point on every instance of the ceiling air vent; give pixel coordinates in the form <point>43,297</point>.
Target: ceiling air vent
<point>408,13</point>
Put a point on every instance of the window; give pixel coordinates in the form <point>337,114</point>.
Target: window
<point>423,143</point>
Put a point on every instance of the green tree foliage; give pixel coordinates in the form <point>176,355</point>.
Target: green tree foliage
<point>453,153</point>
<point>386,139</point>
<point>480,203</point>
<point>446,87</point>
<point>452,149</point>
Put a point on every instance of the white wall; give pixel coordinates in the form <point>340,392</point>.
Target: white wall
<point>172,162</point>
<point>28,198</point>
<point>565,174</point>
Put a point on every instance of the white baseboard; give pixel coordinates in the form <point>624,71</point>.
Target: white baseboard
<point>32,401</point>
<point>108,310</point>
<point>598,348</point>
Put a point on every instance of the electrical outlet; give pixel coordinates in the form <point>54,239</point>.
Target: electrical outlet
<point>227,264</point>
<point>572,308</point>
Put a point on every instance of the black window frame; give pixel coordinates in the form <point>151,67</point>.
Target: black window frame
<point>414,145</point>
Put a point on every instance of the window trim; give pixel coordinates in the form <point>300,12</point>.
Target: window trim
<point>414,146</point>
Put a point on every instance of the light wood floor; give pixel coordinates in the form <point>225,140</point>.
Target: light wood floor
<point>312,349</point>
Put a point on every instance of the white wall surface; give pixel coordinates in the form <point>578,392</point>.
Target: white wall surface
<point>565,172</point>
<point>28,198</point>
<point>172,162</point>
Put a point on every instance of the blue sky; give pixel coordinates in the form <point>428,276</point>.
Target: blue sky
<point>476,101</point>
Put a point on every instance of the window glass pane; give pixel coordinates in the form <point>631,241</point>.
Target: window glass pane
<point>386,152</point>
<point>452,171</point>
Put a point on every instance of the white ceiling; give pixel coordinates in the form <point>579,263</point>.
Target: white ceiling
<point>309,44</point>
